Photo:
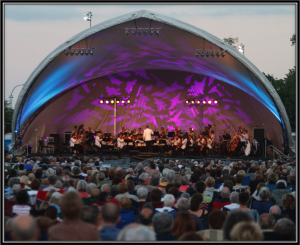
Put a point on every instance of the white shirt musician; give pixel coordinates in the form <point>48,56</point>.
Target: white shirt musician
<point>147,134</point>
<point>175,141</point>
<point>98,140</point>
<point>242,137</point>
<point>209,142</point>
<point>72,141</point>
<point>120,142</point>
<point>184,144</point>
<point>191,142</point>
<point>212,136</point>
<point>246,135</point>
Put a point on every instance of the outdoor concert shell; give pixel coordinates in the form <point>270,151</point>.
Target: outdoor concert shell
<point>158,73</point>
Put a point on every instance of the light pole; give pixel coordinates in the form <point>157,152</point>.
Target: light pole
<point>242,49</point>
<point>88,17</point>
<point>11,97</point>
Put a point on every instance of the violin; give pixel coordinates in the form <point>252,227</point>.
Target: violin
<point>178,145</point>
<point>204,144</point>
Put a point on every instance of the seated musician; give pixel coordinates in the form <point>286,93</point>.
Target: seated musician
<point>156,140</point>
<point>191,133</point>
<point>91,130</point>
<point>123,130</point>
<point>133,132</point>
<point>120,141</point>
<point>212,136</point>
<point>184,143</point>
<point>98,141</point>
<point>140,131</point>
<point>175,141</point>
<point>72,142</point>
<point>190,143</point>
<point>163,132</point>
<point>75,130</point>
<point>130,144</point>
<point>111,141</point>
<point>78,145</point>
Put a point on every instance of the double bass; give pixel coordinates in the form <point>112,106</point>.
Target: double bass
<point>233,144</point>
<point>83,138</point>
<point>204,144</point>
<point>178,145</point>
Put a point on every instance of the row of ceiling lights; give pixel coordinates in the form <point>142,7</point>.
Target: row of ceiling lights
<point>193,101</point>
<point>81,51</point>
<point>144,31</point>
<point>123,101</point>
<point>212,54</point>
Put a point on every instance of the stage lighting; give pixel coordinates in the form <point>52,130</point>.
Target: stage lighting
<point>126,32</point>
<point>91,52</point>
<point>151,33</point>
<point>202,54</point>
<point>139,32</point>
<point>71,53</point>
<point>128,101</point>
<point>223,55</point>
<point>106,101</point>
<point>101,101</point>
<point>76,52</point>
<point>198,102</point>
<point>187,101</point>
<point>197,54</point>
<point>157,33</point>
<point>218,55</point>
<point>123,101</point>
<point>209,102</point>
<point>145,32</point>
<point>66,52</point>
<point>216,102</point>
<point>212,54</point>
<point>118,101</point>
<point>81,52</point>
<point>16,131</point>
<point>207,54</point>
<point>112,101</point>
<point>133,32</point>
<point>193,102</point>
<point>204,102</point>
<point>86,52</point>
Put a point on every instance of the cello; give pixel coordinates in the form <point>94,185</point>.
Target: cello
<point>204,144</point>
<point>234,143</point>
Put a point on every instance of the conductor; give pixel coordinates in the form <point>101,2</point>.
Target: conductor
<point>147,137</point>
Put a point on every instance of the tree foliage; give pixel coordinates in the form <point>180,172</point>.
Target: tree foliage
<point>233,42</point>
<point>8,112</point>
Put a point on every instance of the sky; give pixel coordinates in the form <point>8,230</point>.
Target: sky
<point>31,32</point>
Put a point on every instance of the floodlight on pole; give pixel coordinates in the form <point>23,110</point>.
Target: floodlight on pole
<point>241,49</point>
<point>88,17</point>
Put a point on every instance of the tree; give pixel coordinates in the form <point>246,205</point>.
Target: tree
<point>8,112</point>
<point>293,40</point>
<point>233,42</point>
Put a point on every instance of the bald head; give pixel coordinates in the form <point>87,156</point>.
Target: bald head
<point>31,177</point>
<point>225,192</point>
<point>110,213</point>
<point>24,228</point>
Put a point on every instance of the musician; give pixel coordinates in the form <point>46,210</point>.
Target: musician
<point>98,141</point>
<point>148,138</point>
<point>120,141</point>
<point>178,132</point>
<point>123,130</point>
<point>140,131</point>
<point>175,142</point>
<point>91,130</point>
<point>72,142</point>
<point>206,131</point>
<point>78,144</point>
<point>191,133</point>
<point>190,143</point>
<point>246,136</point>
<point>208,145</point>
<point>75,130</point>
<point>134,132</point>
<point>184,142</point>
<point>212,137</point>
<point>241,143</point>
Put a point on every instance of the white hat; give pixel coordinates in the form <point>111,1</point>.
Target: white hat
<point>196,163</point>
<point>57,195</point>
<point>231,165</point>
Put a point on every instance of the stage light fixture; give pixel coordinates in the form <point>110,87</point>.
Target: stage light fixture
<point>202,54</point>
<point>71,53</point>
<point>204,102</point>
<point>123,101</point>
<point>139,33</point>
<point>197,54</point>
<point>198,102</point>
<point>91,52</point>
<point>207,54</point>
<point>126,32</point>
<point>128,101</point>
<point>216,102</point>
<point>209,102</point>
<point>193,102</point>
<point>145,32</point>
<point>118,101</point>
<point>133,32</point>
<point>218,55</point>
<point>223,55</point>
<point>106,101</point>
<point>81,52</point>
<point>157,33</point>
<point>76,52</point>
<point>212,54</point>
<point>187,101</point>
<point>66,53</point>
<point>112,101</point>
<point>151,33</point>
<point>101,101</point>
<point>86,52</point>
<point>16,131</point>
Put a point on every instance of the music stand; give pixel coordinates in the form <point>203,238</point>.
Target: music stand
<point>162,141</point>
<point>171,134</point>
<point>155,133</point>
<point>140,137</point>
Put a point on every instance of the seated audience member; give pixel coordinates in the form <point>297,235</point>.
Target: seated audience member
<point>255,195</point>
<point>262,206</point>
<point>145,182</point>
<point>191,236</point>
<point>91,215</point>
<point>24,228</point>
<point>52,213</point>
<point>35,184</point>
<point>219,203</point>
<point>244,201</point>
<point>183,223</point>
<point>195,208</point>
<point>22,206</point>
<point>52,180</point>
<point>232,219</point>
<point>81,188</point>
<point>285,230</point>
<point>216,221</point>
<point>142,194</point>
<point>54,201</point>
<point>169,201</point>
<point>136,232</point>
<point>155,195</point>
<point>259,178</point>
<point>281,189</point>
<point>146,216</point>
<point>246,231</point>
<point>200,187</point>
<point>234,199</point>
<point>125,212</point>
<point>124,192</point>
<point>289,206</point>
<point>184,183</point>
<point>44,223</point>
<point>49,195</point>
<point>267,223</point>
<point>72,228</point>
<point>163,224</point>
<point>272,180</point>
<point>239,179</point>
<point>209,191</point>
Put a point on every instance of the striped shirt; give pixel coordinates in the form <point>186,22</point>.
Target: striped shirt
<point>212,234</point>
<point>21,209</point>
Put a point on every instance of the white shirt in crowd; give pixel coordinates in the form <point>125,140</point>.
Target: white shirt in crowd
<point>98,141</point>
<point>147,134</point>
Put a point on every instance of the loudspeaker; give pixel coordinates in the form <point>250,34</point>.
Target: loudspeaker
<point>259,134</point>
<point>56,142</point>
<point>134,152</point>
<point>67,136</point>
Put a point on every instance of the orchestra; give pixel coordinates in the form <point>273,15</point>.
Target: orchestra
<point>175,142</point>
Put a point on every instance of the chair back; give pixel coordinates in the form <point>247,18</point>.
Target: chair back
<point>261,207</point>
<point>126,218</point>
<point>157,204</point>
<point>246,181</point>
<point>135,206</point>
<point>219,205</point>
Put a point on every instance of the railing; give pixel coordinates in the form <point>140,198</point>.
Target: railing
<point>22,148</point>
<point>278,152</point>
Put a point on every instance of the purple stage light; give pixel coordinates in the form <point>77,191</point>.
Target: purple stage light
<point>95,137</point>
<point>47,137</point>
<point>30,146</point>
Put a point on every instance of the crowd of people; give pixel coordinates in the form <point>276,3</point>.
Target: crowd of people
<point>77,199</point>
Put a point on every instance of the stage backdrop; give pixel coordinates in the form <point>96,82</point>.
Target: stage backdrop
<point>158,100</point>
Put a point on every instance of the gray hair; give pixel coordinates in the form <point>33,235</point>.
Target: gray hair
<point>183,204</point>
<point>165,171</point>
<point>283,181</point>
<point>275,210</point>
<point>185,195</point>
<point>143,177</point>
<point>90,187</point>
<point>16,188</point>
<point>52,179</point>
<point>225,192</point>
<point>162,222</point>
<point>58,184</point>
<point>105,186</point>
<point>130,170</point>
<point>184,180</point>
<point>66,178</point>
<point>13,181</point>
<point>234,197</point>
<point>188,171</point>
<point>266,224</point>
<point>136,232</point>
<point>142,192</point>
<point>284,226</point>
<point>264,193</point>
<point>169,200</point>
<point>22,233</point>
<point>170,176</point>
<point>49,172</point>
<point>81,186</point>
<point>77,162</point>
